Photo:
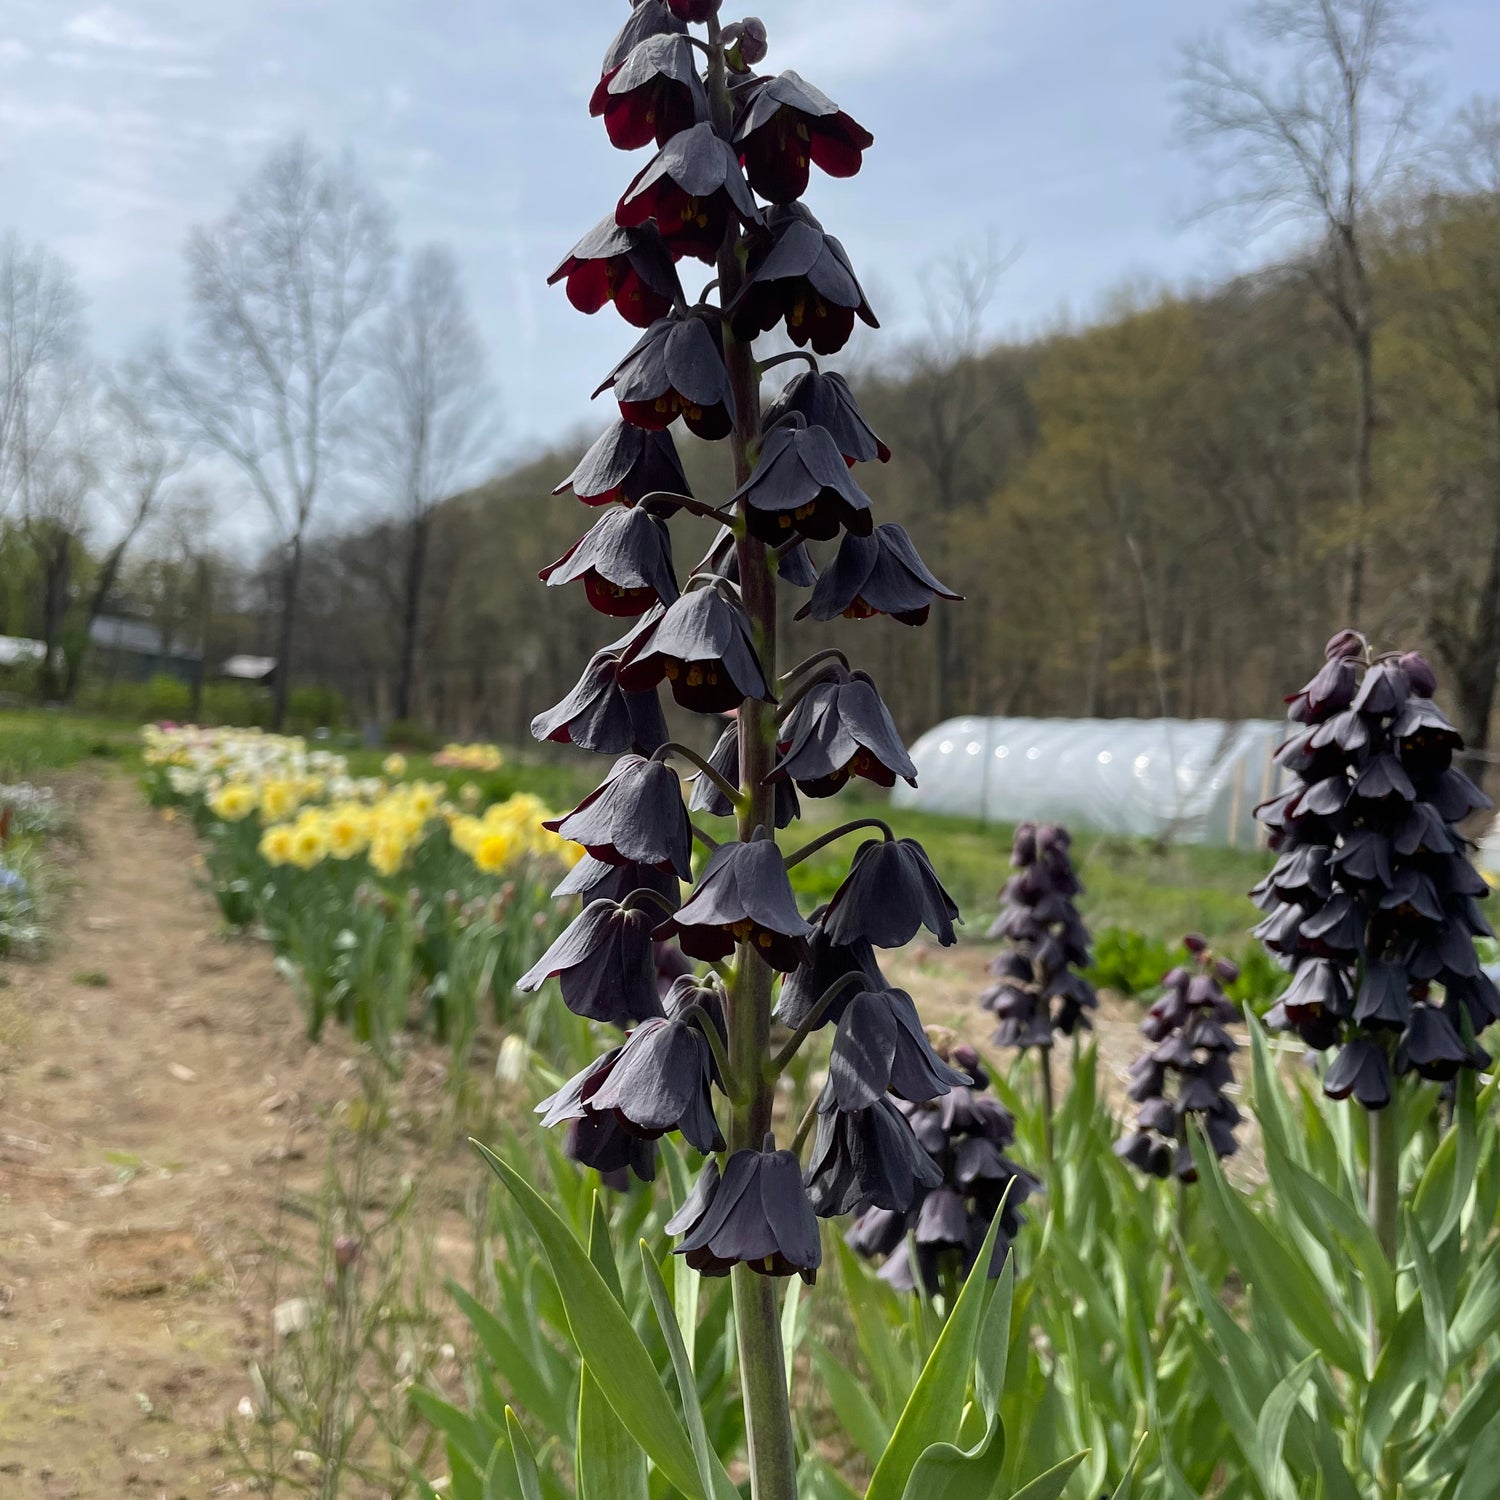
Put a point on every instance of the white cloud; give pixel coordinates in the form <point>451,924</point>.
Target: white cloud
<point>109,26</point>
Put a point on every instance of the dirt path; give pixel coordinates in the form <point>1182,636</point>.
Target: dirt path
<point>156,1102</point>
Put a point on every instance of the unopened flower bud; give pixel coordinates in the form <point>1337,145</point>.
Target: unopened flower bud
<point>1419,673</point>
<point>345,1252</point>
<point>1345,644</point>
<point>748,39</point>
<point>1227,970</point>
<point>1195,942</point>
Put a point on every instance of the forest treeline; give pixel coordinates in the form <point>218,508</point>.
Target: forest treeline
<point>1148,516</point>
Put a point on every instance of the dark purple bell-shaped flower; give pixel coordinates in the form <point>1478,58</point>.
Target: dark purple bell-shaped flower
<point>839,730</point>
<point>594,880</point>
<point>697,11</point>
<point>602,962</point>
<point>635,816</point>
<point>742,896</point>
<point>825,400</point>
<point>629,267</point>
<point>1362,1069</point>
<point>789,124</point>
<point>676,369</point>
<point>1430,1047</point>
<point>624,560</point>
<point>600,716</point>
<point>802,487</point>
<point>880,574</point>
<point>626,464</point>
<point>702,646</point>
<point>693,188</point>
<point>803,281</point>
<point>598,1141</point>
<point>725,759</point>
<point>891,891</point>
<point>866,1158</point>
<point>826,963</point>
<point>880,1047</point>
<point>648,18</point>
<point>794,565</point>
<point>652,95</point>
<point>757,1215</point>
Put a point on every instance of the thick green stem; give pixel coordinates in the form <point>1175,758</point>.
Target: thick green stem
<point>763,1385</point>
<point>1384,1189</point>
<point>1044,1073</point>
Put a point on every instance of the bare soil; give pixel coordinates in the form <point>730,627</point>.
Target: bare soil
<point>159,1107</point>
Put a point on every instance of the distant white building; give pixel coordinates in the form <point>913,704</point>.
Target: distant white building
<point>1194,781</point>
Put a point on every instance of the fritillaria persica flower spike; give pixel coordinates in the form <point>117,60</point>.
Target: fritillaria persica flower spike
<point>733,153</point>
<point>1190,1043</point>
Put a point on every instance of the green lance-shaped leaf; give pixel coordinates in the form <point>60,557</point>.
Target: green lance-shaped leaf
<point>1478,1314</point>
<point>1125,1489</point>
<point>520,1447</point>
<point>1439,1201</point>
<point>711,1473</point>
<point>1477,1482</point>
<point>1050,1485</point>
<point>1271,1427</point>
<point>1435,1320</point>
<point>1457,1445</point>
<point>852,1404</point>
<point>934,1410</point>
<point>531,1384</point>
<point>604,1337</point>
<point>947,1472</point>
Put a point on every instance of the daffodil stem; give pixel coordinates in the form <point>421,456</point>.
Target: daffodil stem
<point>770,1441</point>
<point>834,834</point>
<point>729,789</point>
<point>779,1064</point>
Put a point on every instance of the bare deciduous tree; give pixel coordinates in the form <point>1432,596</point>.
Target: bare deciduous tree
<point>429,423</point>
<point>282,288</point>
<point>1307,130</point>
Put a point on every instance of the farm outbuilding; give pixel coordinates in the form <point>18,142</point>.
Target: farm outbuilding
<point>1194,781</point>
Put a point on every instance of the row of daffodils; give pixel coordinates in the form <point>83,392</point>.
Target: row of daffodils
<point>395,903</point>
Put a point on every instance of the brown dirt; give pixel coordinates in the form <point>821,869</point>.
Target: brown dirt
<point>158,1108</point>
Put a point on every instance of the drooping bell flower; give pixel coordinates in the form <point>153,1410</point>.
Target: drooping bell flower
<point>804,281</point>
<point>594,880</point>
<point>602,963</point>
<point>725,759</point>
<point>636,816</point>
<point>742,896</point>
<point>652,95</point>
<point>891,891</point>
<point>703,649</point>
<point>839,730</point>
<point>659,1081</point>
<point>676,369</point>
<point>693,188</point>
<point>825,964</point>
<point>597,1141</point>
<point>696,11</point>
<point>866,1158</point>
<point>880,1047</point>
<point>1189,1070</point>
<point>825,400</point>
<point>802,487</point>
<point>600,716</point>
<point>626,464</point>
<point>794,565</point>
<point>756,1215</point>
<point>880,574</point>
<point>624,560</point>
<point>629,267</point>
<point>788,124</point>
<point>1362,1070</point>
<point>648,18</point>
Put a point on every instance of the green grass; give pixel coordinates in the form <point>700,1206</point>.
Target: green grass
<point>45,739</point>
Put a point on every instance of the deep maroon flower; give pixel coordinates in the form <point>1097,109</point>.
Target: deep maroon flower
<point>725,759</point>
<point>703,648</point>
<point>879,1048</point>
<point>794,565</point>
<point>635,816</point>
<point>802,487</point>
<point>803,280</point>
<point>879,574</point>
<point>693,188</point>
<point>676,369</point>
<point>825,400</point>
<point>696,11</point>
<point>629,267</point>
<point>891,891</point>
<point>825,964</point>
<point>652,95</point>
<point>600,716</point>
<point>866,1158</point>
<point>1430,1047</point>
<point>787,125</point>
<point>1362,1069</point>
<point>626,464</point>
<point>742,896</point>
<point>598,1141</point>
<point>594,880</point>
<point>841,729</point>
<point>757,1215</point>
<point>602,962</point>
<point>624,560</point>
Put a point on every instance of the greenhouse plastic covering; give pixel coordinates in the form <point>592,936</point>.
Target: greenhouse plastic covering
<point>1193,781</point>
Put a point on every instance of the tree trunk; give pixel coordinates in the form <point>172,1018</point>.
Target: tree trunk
<point>291,579</point>
<point>1475,675</point>
<point>411,613</point>
<point>56,557</point>
<point>1363,477</point>
<point>103,586</point>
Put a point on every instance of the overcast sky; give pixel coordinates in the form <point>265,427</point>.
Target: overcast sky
<point>1045,123</point>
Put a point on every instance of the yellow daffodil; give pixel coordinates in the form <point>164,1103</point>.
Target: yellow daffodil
<point>394,766</point>
<point>276,844</point>
<point>492,852</point>
<point>233,802</point>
